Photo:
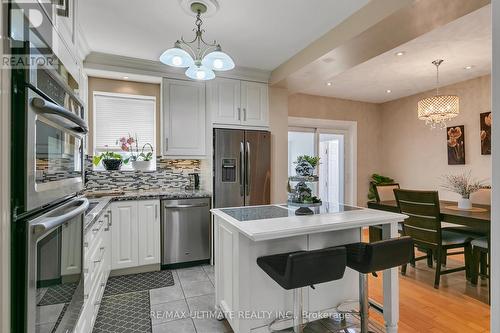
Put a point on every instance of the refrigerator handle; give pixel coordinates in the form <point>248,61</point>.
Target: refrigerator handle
<point>247,173</point>
<point>242,171</point>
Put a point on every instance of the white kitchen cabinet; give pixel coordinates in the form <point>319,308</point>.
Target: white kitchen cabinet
<point>71,260</point>
<point>225,101</point>
<point>149,232</point>
<point>124,239</point>
<point>183,118</point>
<point>236,102</point>
<point>254,103</point>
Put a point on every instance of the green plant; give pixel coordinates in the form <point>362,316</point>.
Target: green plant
<point>108,155</point>
<point>313,160</point>
<point>375,180</point>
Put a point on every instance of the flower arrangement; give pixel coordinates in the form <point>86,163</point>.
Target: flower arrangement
<point>131,145</point>
<point>462,184</point>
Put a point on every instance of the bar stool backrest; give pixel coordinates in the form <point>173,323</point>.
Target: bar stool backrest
<point>317,266</point>
<point>424,222</point>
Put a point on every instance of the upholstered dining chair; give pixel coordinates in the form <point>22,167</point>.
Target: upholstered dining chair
<point>385,192</point>
<point>424,226</point>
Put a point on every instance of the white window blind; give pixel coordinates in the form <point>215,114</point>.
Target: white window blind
<point>119,116</point>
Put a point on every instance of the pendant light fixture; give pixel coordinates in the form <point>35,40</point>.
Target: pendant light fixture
<point>437,110</point>
<point>201,58</point>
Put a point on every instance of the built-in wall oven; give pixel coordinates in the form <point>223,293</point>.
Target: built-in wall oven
<point>55,285</point>
<point>55,147</point>
<point>47,171</point>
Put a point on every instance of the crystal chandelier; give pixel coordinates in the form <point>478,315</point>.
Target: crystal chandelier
<point>201,58</point>
<point>437,110</point>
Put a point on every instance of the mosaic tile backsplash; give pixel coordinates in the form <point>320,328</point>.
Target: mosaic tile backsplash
<point>169,174</point>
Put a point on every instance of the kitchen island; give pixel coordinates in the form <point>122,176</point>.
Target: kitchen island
<point>250,299</point>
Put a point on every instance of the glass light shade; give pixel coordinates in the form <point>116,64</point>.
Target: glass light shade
<point>176,57</point>
<point>218,61</point>
<point>201,73</point>
<point>438,109</point>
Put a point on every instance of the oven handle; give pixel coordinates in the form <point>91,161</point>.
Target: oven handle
<point>51,108</point>
<point>51,222</point>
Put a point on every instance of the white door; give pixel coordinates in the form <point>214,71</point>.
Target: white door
<point>254,104</point>
<point>149,232</point>
<point>331,168</point>
<point>124,240</point>
<point>184,118</point>
<point>224,101</point>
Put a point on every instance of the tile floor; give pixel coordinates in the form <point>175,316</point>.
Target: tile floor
<point>192,292</point>
<point>171,309</point>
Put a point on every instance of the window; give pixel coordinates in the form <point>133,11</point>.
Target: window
<point>120,115</point>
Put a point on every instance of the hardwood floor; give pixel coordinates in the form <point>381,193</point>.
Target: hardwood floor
<point>457,306</point>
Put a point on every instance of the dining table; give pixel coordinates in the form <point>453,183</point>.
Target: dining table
<point>479,221</point>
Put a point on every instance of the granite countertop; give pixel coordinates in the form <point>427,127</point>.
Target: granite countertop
<point>102,202</point>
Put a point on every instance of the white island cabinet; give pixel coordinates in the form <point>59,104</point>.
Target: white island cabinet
<point>246,233</point>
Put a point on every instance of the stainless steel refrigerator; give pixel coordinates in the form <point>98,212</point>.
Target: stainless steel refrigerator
<point>242,168</point>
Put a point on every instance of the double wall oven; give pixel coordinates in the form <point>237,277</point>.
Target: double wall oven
<point>47,173</point>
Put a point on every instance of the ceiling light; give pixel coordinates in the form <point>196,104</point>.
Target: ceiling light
<point>438,109</point>
<point>388,91</point>
<point>125,77</point>
<point>329,84</point>
<point>201,58</point>
<point>400,53</point>
<point>468,67</point>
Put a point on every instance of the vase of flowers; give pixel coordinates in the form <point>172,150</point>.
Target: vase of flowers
<point>464,185</point>
<point>141,161</point>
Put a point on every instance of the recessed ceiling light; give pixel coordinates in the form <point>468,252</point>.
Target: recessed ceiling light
<point>388,91</point>
<point>400,53</point>
<point>329,84</point>
<point>125,77</point>
<point>468,67</point>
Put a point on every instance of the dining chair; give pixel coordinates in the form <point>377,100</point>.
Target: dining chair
<point>384,192</point>
<point>480,260</point>
<point>424,226</point>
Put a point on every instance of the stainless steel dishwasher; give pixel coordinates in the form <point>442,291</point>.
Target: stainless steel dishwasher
<point>185,230</point>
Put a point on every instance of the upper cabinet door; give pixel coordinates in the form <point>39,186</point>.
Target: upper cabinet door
<point>183,118</point>
<point>224,100</point>
<point>254,104</point>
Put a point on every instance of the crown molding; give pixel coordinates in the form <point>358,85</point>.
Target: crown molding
<point>83,49</point>
<point>122,64</point>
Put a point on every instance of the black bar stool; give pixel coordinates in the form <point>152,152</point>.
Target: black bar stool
<point>372,257</point>
<point>296,270</point>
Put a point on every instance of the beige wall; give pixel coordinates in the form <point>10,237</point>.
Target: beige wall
<point>122,87</point>
<point>278,125</point>
<point>416,156</point>
<point>367,116</point>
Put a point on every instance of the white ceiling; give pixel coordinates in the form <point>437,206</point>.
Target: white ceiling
<point>256,33</point>
<point>464,42</point>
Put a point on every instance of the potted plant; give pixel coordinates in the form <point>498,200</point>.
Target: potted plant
<point>305,165</point>
<point>464,185</point>
<point>110,160</point>
<point>140,161</point>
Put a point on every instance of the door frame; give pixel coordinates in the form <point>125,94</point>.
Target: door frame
<point>5,233</point>
<point>350,131</point>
